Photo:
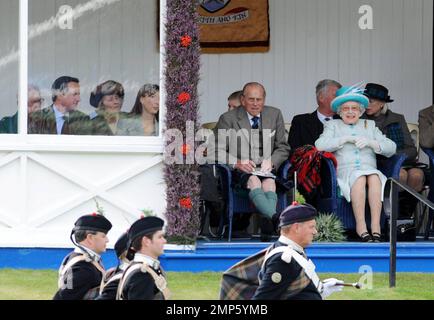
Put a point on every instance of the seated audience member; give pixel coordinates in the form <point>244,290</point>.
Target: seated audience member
<point>306,128</point>
<point>234,100</point>
<point>256,144</point>
<point>426,127</point>
<point>146,111</point>
<point>394,126</point>
<point>9,125</point>
<point>355,144</point>
<point>62,117</point>
<point>108,119</point>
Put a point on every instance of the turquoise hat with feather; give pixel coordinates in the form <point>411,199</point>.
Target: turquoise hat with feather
<point>353,93</point>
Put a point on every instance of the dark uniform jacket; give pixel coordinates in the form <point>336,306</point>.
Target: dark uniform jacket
<point>279,280</point>
<point>139,284</point>
<point>81,282</point>
<point>111,283</point>
<point>44,122</point>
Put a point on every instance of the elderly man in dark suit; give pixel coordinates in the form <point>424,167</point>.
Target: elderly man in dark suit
<point>62,117</point>
<point>252,139</point>
<point>306,128</point>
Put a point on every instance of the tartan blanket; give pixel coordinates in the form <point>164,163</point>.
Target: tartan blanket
<point>306,161</point>
<point>240,281</point>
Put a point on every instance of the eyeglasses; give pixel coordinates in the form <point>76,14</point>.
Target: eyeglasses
<point>32,102</point>
<point>350,108</point>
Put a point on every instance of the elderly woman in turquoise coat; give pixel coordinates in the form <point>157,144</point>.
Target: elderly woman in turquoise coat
<point>355,142</point>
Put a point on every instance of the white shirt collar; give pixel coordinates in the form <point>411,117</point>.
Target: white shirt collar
<point>138,257</point>
<point>251,117</point>
<point>291,243</point>
<point>322,117</point>
<point>57,113</point>
<point>92,254</point>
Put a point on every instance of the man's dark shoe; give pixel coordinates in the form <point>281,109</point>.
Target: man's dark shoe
<point>267,229</point>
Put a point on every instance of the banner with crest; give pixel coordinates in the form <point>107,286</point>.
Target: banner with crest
<point>234,26</point>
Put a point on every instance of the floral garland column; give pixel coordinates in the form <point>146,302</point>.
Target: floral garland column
<point>182,78</point>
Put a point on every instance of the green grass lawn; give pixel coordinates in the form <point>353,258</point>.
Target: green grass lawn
<point>41,285</point>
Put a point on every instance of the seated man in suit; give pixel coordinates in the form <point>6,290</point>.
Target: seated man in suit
<point>62,117</point>
<point>306,128</point>
<point>426,127</point>
<point>252,138</point>
<point>9,125</point>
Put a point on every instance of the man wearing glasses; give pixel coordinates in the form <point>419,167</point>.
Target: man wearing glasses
<point>9,125</point>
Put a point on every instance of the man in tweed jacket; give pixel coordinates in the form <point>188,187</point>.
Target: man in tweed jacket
<point>252,140</point>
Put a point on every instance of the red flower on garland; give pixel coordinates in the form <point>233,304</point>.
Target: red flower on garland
<point>184,97</point>
<point>185,149</point>
<point>186,41</point>
<point>186,203</point>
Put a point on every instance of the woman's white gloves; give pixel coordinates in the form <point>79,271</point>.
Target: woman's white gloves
<point>362,142</point>
<point>347,139</point>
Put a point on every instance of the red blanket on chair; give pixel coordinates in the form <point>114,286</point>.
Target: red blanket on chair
<point>306,161</point>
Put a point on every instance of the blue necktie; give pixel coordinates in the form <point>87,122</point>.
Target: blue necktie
<point>327,119</point>
<point>255,124</point>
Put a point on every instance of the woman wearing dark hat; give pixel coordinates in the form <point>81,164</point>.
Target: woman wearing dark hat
<point>146,110</point>
<point>110,282</point>
<point>144,279</point>
<point>108,119</point>
<point>81,272</point>
<point>394,126</point>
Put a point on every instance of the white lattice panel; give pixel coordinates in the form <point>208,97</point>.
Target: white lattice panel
<point>43,193</point>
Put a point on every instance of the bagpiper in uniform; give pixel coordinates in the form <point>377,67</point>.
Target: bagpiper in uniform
<point>286,273</point>
<point>144,279</point>
<point>81,271</point>
<point>110,282</point>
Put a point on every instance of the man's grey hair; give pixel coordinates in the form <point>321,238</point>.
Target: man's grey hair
<point>33,87</point>
<point>254,84</point>
<point>323,85</point>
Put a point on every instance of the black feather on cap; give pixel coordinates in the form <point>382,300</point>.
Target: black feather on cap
<point>141,227</point>
<point>93,222</point>
<point>297,213</point>
<point>121,244</point>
